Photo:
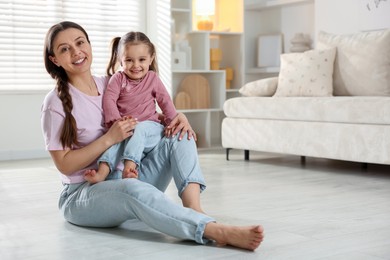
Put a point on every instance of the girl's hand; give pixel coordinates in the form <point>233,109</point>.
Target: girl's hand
<point>180,124</point>
<point>122,129</point>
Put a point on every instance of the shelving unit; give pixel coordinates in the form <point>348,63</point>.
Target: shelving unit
<point>237,26</point>
<point>227,36</point>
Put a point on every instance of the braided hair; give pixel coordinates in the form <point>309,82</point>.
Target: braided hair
<point>69,129</point>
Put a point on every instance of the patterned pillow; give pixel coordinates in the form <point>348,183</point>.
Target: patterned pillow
<point>260,88</point>
<point>307,74</point>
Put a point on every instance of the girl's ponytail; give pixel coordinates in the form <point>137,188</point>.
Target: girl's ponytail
<point>113,63</point>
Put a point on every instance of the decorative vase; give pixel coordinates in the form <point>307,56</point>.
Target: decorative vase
<point>300,43</point>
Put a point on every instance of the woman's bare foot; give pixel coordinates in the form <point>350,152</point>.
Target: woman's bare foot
<point>92,176</point>
<point>248,237</point>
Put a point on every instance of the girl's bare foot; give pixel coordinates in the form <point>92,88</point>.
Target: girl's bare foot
<point>248,237</point>
<point>129,170</point>
<point>129,173</point>
<point>92,176</point>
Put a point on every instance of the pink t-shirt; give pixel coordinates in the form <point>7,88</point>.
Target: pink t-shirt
<point>88,113</point>
<point>125,97</point>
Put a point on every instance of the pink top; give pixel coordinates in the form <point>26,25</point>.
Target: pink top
<point>88,113</point>
<point>126,97</point>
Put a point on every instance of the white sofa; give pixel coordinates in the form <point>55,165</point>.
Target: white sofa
<point>307,112</point>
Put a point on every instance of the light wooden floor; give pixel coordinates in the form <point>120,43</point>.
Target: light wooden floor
<point>323,210</point>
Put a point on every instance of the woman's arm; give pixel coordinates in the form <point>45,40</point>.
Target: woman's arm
<point>69,161</point>
<point>180,124</point>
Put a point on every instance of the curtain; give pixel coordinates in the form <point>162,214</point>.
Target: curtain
<point>24,23</point>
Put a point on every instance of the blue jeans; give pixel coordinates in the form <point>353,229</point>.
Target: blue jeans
<point>112,202</point>
<point>147,135</point>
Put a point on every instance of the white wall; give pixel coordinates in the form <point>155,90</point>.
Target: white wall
<point>291,25</point>
<point>335,16</point>
<point>21,136</point>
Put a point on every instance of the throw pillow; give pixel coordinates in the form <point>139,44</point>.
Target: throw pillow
<point>307,74</point>
<point>260,88</point>
<point>362,64</point>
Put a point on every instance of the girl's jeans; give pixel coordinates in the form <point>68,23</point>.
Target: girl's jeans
<point>112,202</point>
<point>147,135</point>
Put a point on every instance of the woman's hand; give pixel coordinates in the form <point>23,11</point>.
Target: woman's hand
<point>68,161</point>
<point>180,124</point>
<point>122,129</point>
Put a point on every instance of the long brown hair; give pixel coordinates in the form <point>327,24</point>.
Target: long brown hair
<point>69,129</point>
<point>132,38</point>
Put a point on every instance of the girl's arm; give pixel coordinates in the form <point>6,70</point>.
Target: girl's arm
<point>69,161</point>
<point>110,98</point>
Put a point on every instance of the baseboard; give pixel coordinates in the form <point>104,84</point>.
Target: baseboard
<point>23,155</point>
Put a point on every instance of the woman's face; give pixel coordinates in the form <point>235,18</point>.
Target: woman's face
<point>72,51</point>
<point>136,60</point>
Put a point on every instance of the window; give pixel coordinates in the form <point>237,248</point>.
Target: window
<point>24,23</point>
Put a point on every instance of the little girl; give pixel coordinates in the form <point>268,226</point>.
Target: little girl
<point>133,92</point>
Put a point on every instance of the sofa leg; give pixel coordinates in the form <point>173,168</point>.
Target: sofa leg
<point>246,155</point>
<point>227,153</point>
<point>364,166</point>
<point>303,160</point>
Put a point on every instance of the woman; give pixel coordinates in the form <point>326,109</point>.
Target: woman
<point>72,124</point>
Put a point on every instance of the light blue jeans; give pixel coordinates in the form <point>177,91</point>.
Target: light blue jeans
<point>112,202</point>
<point>147,135</point>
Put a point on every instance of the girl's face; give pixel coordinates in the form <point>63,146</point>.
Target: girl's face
<point>136,60</point>
<point>72,51</point>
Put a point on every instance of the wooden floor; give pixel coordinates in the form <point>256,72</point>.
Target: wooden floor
<point>322,210</point>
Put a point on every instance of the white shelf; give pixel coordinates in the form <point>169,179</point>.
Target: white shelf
<point>180,10</point>
<point>263,70</point>
<point>260,5</point>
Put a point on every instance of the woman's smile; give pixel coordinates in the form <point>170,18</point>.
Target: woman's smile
<point>79,61</point>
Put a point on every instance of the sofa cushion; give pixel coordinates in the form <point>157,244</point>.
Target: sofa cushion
<point>364,110</point>
<point>307,74</point>
<point>362,64</point>
<point>260,88</point>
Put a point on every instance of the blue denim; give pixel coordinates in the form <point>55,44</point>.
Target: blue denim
<point>112,202</point>
<point>147,135</point>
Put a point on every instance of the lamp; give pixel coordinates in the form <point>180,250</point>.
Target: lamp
<point>205,9</point>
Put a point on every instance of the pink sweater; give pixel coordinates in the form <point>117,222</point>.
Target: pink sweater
<point>125,97</point>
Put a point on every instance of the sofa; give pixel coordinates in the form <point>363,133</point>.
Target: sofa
<point>330,102</point>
